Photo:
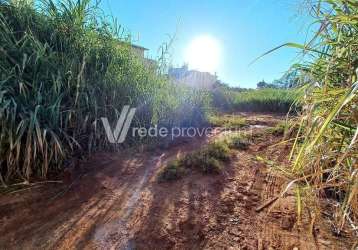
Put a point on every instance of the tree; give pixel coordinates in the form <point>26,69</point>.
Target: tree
<point>264,85</point>
<point>261,85</point>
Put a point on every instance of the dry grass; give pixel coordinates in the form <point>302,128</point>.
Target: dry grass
<point>325,152</point>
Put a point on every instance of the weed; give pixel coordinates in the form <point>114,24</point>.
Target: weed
<point>173,171</point>
<point>227,121</point>
<point>218,150</point>
<point>278,130</point>
<point>209,159</point>
<point>239,142</point>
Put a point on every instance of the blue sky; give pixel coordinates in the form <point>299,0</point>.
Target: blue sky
<point>244,28</point>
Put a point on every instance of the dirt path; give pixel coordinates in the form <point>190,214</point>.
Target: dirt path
<point>120,204</point>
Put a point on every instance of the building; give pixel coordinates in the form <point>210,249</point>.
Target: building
<point>138,50</point>
<point>192,78</point>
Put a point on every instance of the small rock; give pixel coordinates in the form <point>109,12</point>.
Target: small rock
<point>324,242</point>
<point>237,239</point>
<point>235,220</point>
<point>235,231</point>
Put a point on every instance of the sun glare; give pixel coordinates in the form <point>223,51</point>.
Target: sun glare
<point>203,53</point>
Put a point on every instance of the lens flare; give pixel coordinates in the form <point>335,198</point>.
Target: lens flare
<point>203,54</point>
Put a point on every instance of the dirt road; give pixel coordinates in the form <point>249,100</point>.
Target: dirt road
<point>119,204</point>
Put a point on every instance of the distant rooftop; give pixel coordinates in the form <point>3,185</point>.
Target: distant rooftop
<point>138,47</point>
<point>133,45</point>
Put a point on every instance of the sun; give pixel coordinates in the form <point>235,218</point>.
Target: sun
<point>203,54</point>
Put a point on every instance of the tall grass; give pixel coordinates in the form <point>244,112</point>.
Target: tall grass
<point>265,100</point>
<point>325,153</point>
<point>63,66</point>
<point>255,100</point>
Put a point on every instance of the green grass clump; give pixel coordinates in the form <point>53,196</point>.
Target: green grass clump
<point>227,121</point>
<point>265,100</point>
<point>173,171</point>
<point>202,161</point>
<point>238,142</point>
<point>218,150</point>
<point>208,159</point>
<point>64,65</point>
<point>278,130</point>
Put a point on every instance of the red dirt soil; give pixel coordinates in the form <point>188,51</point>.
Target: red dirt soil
<point>120,204</point>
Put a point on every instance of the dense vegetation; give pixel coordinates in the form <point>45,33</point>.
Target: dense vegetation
<point>265,100</point>
<point>325,152</point>
<point>259,100</point>
<point>62,68</point>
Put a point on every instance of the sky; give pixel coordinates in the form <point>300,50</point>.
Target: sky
<point>243,29</point>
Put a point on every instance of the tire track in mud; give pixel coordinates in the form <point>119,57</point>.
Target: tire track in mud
<point>116,234</point>
<point>122,206</point>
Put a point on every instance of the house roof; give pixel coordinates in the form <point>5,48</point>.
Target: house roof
<point>138,47</point>
<point>133,45</point>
